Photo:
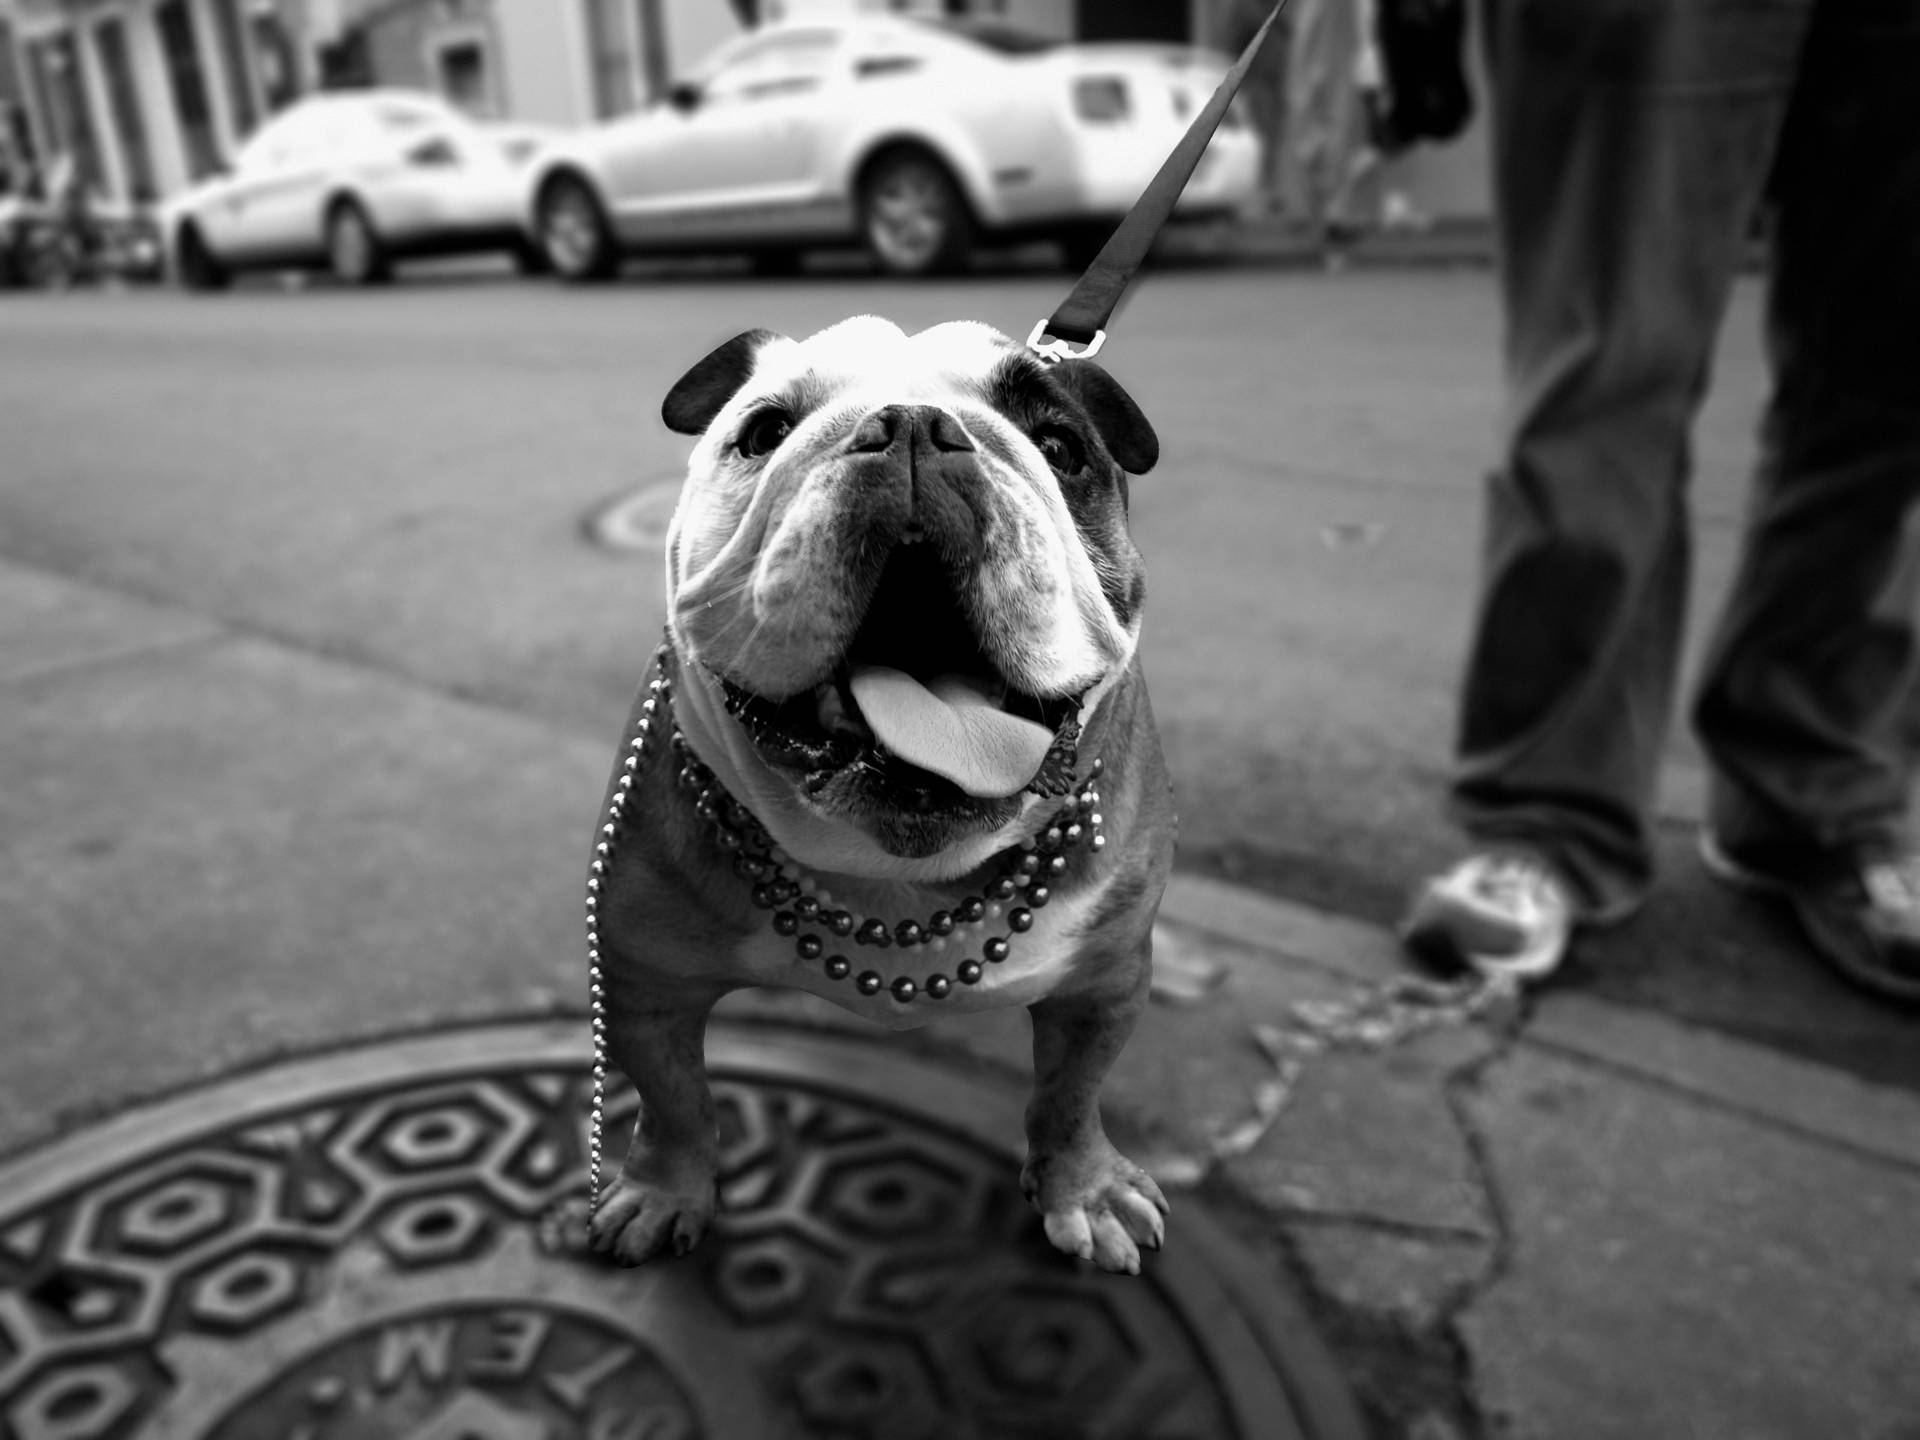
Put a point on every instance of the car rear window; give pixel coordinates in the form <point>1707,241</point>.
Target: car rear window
<point>872,67</point>
<point>405,117</point>
<point>995,35</point>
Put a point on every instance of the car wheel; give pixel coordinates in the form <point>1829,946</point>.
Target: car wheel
<point>194,265</point>
<point>529,258</point>
<point>51,258</point>
<point>1082,243</point>
<point>913,215</point>
<point>574,232</point>
<point>354,252</point>
<point>776,264</point>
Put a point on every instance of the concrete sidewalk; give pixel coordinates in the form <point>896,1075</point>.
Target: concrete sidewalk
<point>1562,1219</point>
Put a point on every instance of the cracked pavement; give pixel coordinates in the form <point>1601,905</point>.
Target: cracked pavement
<point>1564,1218</point>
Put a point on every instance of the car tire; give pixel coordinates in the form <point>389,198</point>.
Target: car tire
<point>194,266</point>
<point>529,258</point>
<point>913,216</point>
<point>354,252</point>
<point>574,234</point>
<point>782,264</point>
<point>52,259</point>
<point>1080,245</point>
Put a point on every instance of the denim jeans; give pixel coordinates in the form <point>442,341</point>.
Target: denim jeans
<point>1634,141</point>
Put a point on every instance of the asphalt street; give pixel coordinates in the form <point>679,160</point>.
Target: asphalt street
<point>405,480</point>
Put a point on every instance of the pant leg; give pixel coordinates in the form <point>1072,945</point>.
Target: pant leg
<point>1321,105</point>
<point>1816,658</point>
<point>1632,140</point>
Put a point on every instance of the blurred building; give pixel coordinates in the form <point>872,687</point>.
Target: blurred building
<point>557,62</point>
<point>1178,20</point>
<point>145,95</point>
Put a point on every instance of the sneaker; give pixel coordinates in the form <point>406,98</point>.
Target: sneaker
<point>1502,913</point>
<point>1861,915</point>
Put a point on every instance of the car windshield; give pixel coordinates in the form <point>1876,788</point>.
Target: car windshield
<point>994,35</point>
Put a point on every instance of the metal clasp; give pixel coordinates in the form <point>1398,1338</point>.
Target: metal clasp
<point>1053,349</point>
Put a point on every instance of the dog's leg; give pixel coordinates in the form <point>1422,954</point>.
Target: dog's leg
<point>1097,1203</point>
<point>664,1194</point>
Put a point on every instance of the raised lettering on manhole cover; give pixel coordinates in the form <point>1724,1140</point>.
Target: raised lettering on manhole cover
<point>350,1249</point>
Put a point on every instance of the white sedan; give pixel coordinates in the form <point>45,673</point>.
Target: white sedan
<point>918,137</point>
<point>352,181</point>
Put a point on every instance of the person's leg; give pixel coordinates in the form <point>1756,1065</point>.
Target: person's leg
<point>1816,659</point>
<point>1631,143</point>
<point>1309,113</point>
<point>1354,208</point>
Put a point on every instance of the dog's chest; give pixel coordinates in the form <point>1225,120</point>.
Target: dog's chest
<point>1037,963</point>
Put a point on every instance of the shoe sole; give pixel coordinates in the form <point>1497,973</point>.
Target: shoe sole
<point>1439,950</point>
<point>1724,868</point>
<point>1433,937</point>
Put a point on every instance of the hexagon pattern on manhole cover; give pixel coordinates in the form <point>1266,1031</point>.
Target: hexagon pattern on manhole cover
<point>350,1248</point>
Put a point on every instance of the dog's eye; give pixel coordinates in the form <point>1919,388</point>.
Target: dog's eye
<point>764,433</point>
<point>1060,448</point>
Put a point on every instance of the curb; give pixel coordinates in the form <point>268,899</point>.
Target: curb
<point>1809,1100</point>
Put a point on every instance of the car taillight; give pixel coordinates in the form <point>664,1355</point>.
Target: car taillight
<point>1101,99</point>
<point>435,152</point>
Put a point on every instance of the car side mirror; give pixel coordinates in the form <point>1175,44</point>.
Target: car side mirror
<point>684,96</point>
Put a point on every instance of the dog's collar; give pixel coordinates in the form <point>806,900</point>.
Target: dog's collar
<point>1082,317</point>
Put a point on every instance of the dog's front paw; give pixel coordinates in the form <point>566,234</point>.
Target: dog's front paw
<point>1098,1205</point>
<point>641,1218</point>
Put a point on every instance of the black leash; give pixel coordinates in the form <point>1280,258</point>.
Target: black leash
<point>1082,317</point>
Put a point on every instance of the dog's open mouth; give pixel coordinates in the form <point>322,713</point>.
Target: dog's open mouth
<point>916,709</point>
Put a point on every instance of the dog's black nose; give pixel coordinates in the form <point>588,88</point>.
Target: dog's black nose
<point>915,425</point>
<point>922,459</point>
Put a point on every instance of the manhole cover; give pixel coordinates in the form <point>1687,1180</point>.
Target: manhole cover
<point>348,1249</point>
<point>638,519</point>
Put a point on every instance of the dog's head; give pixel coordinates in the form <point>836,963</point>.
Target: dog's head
<point>900,576</point>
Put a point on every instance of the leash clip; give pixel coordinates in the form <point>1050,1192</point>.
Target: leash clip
<point>1053,349</point>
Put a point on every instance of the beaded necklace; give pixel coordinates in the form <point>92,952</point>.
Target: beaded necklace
<point>803,910</point>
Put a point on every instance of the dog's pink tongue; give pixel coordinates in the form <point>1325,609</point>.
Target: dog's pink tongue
<point>951,728</point>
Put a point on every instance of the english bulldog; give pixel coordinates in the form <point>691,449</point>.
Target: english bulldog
<point>899,750</point>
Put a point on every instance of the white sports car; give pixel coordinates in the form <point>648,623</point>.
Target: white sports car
<point>916,136</point>
<point>351,181</point>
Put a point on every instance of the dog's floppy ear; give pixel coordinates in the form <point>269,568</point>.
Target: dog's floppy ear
<point>704,390</point>
<point>1128,435</point>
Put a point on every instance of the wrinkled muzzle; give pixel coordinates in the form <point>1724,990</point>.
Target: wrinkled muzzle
<point>921,699</point>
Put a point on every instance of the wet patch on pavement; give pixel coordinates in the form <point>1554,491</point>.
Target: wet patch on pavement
<point>351,1248</point>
